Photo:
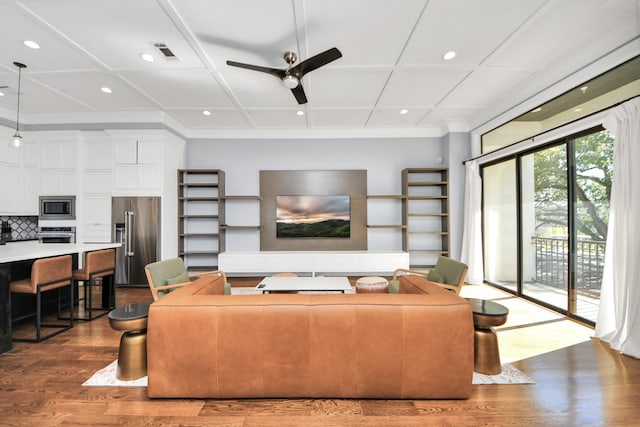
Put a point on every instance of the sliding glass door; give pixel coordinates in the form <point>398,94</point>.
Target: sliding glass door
<point>545,225</point>
<point>545,216</point>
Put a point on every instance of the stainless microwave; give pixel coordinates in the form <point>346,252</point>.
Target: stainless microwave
<point>57,207</point>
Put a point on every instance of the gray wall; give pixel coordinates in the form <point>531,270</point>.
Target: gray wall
<point>382,158</point>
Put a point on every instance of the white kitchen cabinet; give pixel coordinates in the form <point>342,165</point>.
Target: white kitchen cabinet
<point>30,190</point>
<point>149,152</point>
<point>9,154</point>
<point>97,182</point>
<point>137,177</point>
<point>137,152</point>
<point>57,182</point>
<point>21,178</point>
<point>98,155</point>
<point>10,193</point>
<point>96,214</point>
<point>58,155</point>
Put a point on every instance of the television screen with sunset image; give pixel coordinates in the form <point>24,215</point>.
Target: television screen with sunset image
<point>313,216</point>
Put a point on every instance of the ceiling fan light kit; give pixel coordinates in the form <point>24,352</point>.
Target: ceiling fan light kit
<point>291,77</point>
<point>290,81</point>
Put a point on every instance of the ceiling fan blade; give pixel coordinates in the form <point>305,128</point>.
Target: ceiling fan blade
<point>273,71</point>
<point>316,61</point>
<point>298,92</point>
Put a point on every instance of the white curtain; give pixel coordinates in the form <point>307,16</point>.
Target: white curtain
<point>619,315</point>
<point>471,253</point>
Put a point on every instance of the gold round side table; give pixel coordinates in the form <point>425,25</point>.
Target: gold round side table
<point>132,355</point>
<point>486,316</point>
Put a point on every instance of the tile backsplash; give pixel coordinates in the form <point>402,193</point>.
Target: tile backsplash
<point>22,227</point>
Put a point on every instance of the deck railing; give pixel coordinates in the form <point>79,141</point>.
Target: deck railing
<point>552,263</point>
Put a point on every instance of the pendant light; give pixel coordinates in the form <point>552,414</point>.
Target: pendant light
<point>16,139</point>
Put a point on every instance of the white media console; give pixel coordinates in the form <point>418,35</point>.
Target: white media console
<point>343,262</point>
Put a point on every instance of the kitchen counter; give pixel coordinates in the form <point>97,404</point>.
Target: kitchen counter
<point>15,252</point>
<point>25,250</point>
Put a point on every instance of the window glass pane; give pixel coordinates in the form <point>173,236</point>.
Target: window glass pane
<point>545,223</point>
<point>616,85</point>
<point>594,173</point>
<point>500,224</point>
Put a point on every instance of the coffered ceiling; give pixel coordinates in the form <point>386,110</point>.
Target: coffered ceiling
<point>392,59</point>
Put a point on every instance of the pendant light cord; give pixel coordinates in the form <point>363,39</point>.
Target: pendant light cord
<point>18,113</point>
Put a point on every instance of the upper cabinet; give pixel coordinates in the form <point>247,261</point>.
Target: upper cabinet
<point>21,177</point>
<point>58,165</point>
<point>127,151</point>
<point>137,166</point>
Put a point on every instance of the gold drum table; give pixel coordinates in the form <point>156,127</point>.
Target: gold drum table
<point>132,355</point>
<point>486,316</point>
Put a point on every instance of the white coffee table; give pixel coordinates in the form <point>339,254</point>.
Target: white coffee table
<point>297,284</point>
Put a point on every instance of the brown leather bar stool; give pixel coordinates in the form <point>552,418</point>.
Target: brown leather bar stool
<point>99,264</point>
<point>46,274</point>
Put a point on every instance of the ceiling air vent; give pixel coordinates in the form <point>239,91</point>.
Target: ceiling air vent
<point>165,51</point>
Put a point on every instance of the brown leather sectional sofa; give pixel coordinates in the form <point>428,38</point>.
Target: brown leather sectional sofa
<point>417,344</point>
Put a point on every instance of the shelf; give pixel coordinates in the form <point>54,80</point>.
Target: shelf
<point>435,214</point>
<point>435,233</point>
<point>241,198</point>
<point>198,253</point>
<point>198,199</point>
<point>199,237</point>
<point>427,183</point>
<point>240,227</point>
<point>198,185</point>
<point>387,197</point>
<point>430,186</point>
<point>402,227</point>
<point>427,197</point>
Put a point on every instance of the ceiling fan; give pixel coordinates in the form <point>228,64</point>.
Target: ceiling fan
<point>292,76</point>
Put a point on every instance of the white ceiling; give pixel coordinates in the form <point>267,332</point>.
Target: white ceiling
<point>392,59</point>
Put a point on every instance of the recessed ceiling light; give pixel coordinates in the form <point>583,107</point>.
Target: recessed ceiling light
<point>449,55</point>
<point>147,57</point>
<point>583,89</point>
<point>1,93</point>
<point>577,110</point>
<point>536,110</point>
<point>300,113</point>
<point>206,112</point>
<point>31,44</point>
<point>404,111</point>
<point>105,89</point>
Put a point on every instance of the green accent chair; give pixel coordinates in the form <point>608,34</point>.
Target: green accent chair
<point>167,275</point>
<point>447,273</point>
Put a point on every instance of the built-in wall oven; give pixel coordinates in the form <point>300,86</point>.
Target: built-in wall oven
<point>57,234</point>
<point>57,208</point>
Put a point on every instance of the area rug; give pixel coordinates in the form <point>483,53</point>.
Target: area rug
<point>106,377</point>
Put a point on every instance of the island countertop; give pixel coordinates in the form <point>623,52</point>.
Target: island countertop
<point>19,251</point>
<point>14,252</point>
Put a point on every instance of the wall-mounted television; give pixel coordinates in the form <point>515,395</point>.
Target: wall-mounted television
<point>313,216</point>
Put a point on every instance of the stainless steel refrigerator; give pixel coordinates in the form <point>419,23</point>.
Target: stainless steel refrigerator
<point>136,224</point>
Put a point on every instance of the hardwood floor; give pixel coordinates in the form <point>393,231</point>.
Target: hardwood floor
<point>40,385</point>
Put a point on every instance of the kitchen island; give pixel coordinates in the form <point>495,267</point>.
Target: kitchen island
<point>15,253</point>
